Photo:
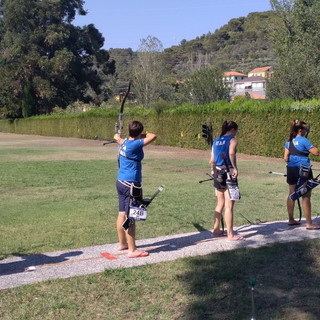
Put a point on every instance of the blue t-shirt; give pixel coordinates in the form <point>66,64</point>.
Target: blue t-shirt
<point>302,144</point>
<point>220,148</point>
<point>130,156</point>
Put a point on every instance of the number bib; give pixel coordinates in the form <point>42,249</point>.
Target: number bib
<point>138,213</point>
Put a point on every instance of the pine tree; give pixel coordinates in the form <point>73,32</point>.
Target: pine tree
<point>46,60</point>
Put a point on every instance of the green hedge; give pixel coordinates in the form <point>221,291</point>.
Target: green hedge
<point>263,126</point>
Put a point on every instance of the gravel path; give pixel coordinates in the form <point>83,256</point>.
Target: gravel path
<point>18,271</point>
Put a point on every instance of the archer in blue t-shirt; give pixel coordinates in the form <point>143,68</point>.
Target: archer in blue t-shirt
<point>130,156</point>
<point>296,154</point>
<point>303,145</point>
<point>129,177</point>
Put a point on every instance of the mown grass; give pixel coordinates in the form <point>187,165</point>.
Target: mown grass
<point>68,204</point>
<point>52,205</point>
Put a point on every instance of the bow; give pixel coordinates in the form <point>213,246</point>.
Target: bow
<point>308,130</point>
<point>108,141</point>
<point>119,125</point>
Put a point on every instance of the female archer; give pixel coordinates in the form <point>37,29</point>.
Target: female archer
<point>223,159</point>
<point>296,154</point>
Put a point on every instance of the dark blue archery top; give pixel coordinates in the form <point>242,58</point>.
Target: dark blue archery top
<point>220,148</point>
<point>130,156</point>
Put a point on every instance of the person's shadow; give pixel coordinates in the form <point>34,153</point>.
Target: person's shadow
<point>269,231</point>
<point>181,241</point>
<point>34,260</point>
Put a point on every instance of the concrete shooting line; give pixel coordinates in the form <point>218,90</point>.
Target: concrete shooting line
<point>17,271</point>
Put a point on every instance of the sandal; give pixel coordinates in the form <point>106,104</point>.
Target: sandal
<point>138,254</point>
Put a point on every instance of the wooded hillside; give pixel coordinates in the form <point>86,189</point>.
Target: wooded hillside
<point>242,44</point>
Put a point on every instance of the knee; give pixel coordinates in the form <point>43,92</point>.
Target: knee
<point>307,196</point>
<point>122,215</point>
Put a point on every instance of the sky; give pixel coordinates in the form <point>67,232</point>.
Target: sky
<point>123,23</point>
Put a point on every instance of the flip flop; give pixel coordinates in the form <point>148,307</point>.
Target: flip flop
<point>294,224</point>
<point>237,239</point>
<point>314,228</point>
<point>218,235</point>
<point>138,254</point>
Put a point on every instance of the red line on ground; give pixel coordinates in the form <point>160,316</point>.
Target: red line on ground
<point>108,256</point>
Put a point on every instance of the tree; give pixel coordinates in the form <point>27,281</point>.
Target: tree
<point>149,72</point>
<point>206,85</point>
<point>124,60</point>
<point>297,44</point>
<point>45,60</point>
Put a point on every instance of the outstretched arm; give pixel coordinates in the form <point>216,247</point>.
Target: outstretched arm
<point>118,138</point>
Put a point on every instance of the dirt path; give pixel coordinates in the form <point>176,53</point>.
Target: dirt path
<point>83,149</point>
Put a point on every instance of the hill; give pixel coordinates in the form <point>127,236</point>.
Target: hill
<point>242,44</point>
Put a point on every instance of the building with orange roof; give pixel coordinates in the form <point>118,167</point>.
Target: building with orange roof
<point>254,86</point>
<point>230,77</point>
<point>264,72</point>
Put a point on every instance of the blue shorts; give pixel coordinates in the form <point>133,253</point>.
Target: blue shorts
<point>124,196</point>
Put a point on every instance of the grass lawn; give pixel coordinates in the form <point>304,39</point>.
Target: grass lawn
<point>63,196</point>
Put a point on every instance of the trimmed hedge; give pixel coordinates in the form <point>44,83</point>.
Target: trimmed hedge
<point>263,126</point>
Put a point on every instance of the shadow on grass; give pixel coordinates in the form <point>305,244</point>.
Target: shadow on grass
<point>287,283</point>
<point>34,260</point>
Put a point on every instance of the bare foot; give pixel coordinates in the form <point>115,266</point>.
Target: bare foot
<point>123,247</point>
<point>138,254</point>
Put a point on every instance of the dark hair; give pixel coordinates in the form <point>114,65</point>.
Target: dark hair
<point>135,128</point>
<point>295,126</point>
<point>227,126</point>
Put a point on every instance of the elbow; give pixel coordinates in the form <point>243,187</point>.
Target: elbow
<point>153,137</point>
<point>314,151</point>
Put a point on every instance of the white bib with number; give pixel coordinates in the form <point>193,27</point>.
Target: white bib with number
<point>138,213</point>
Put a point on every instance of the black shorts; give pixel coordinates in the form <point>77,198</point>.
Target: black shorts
<point>220,184</point>
<point>293,175</point>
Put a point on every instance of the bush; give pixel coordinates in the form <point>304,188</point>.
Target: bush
<point>263,125</point>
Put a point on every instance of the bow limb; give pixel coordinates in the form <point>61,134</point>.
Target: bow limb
<point>308,130</point>
<point>120,119</point>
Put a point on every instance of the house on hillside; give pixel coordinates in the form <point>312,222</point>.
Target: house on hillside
<point>230,77</point>
<point>264,72</point>
<point>255,86</point>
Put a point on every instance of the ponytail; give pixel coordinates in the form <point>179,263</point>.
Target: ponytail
<point>295,126</point>
<point>227,126</point>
